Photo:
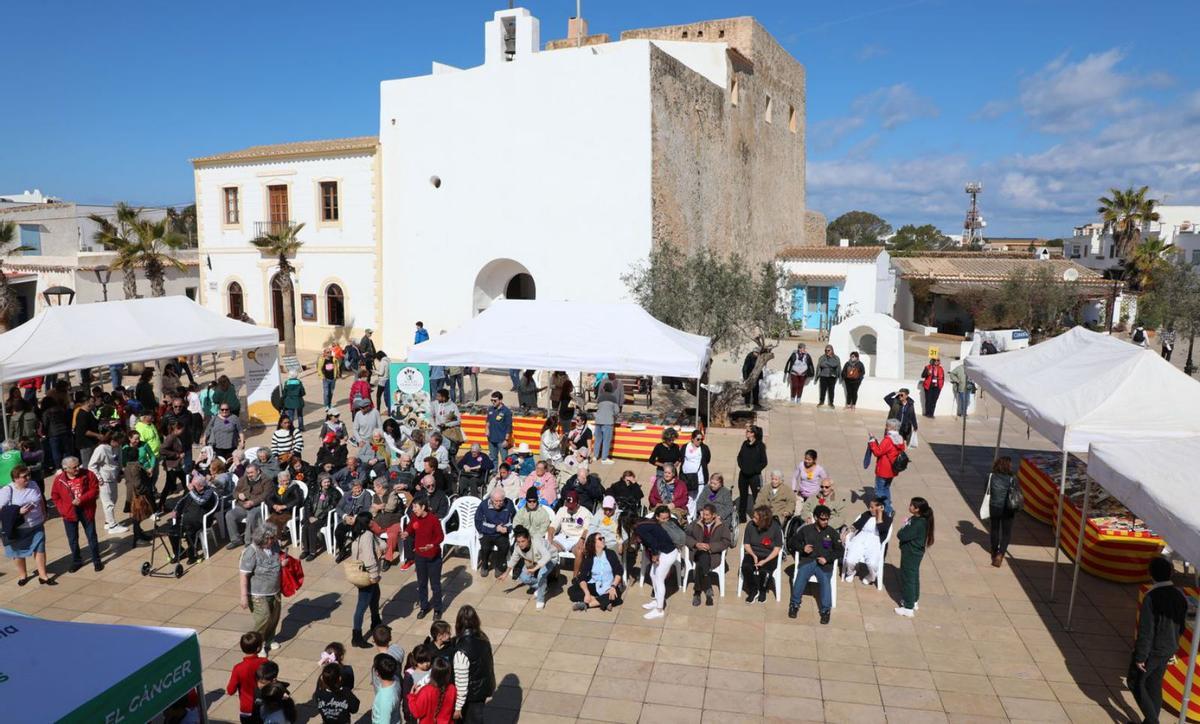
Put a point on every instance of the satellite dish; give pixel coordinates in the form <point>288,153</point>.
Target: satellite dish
<point>1070,275</point>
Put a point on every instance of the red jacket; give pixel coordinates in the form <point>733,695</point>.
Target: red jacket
<point>62,495</point>
<point>242,681</point>
<point>360,388</point>
<point>426,531</point>
<point>932,373</point>
<point>679,496</point>
<point>885,452</point>
<point>424,703</point>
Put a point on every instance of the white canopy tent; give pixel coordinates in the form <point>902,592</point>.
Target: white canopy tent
<point>77,337</point>
<point>1083,387</point>
<point>1156,479</point>
<point>144,670</point>
<point>619,338</point>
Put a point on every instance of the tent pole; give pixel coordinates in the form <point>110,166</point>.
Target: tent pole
<point>999,435</point>
<point>962,446</point>
<point>1087,499</point>
<point>1062,492</point>
<point>1190,679</point>
<point>4,411</point>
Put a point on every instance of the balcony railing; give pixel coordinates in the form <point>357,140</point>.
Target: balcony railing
<point>262,228</point>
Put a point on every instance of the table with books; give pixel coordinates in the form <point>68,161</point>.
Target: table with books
<point>1117,545</point>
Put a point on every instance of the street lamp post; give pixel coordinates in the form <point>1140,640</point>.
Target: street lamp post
<point>54,296</point>
<point>103,274</point>
<point>1188,367</point>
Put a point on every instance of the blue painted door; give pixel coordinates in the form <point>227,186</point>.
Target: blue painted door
<point>820,305</point>
<point>797,303</point>
<point>833,305</point>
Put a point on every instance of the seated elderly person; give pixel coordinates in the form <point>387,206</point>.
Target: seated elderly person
<point>436,448</point>
<point>570,524</point>
<point>331,456</point>
<point>510,482</point>
<point>828,496</point>
<point>354,472</point>
<point>248,496</point>
<point>707,537</point>
<point>358,500</point>
<point>188,515</point>
<point>493,520</point>
<point>778,497</point>
<point>670,491</point>
<point>268,464</point>
<point>864,542</point>
<point>405,472</point>
<point>322,498</point>
<point>285,495</point>
<point>387,509</point>
<point>544,482</point>
<point>587,484</point>
<point>376,454</point>
<point>715,493</point>
<point>473,470</point>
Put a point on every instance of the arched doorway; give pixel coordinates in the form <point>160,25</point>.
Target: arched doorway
<point>277,304</point>
<point>502,279</point>
<point>335,306</point>
<point>237,302</point>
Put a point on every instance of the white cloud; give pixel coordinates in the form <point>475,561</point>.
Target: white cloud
<point>870,51</point>
<point>887,107</point>
<point>991,110</point>
<point>1066,96</point>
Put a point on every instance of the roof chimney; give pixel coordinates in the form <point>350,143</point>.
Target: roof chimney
<point>577,29</point>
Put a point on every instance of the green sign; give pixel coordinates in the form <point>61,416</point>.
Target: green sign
<point>148,691</point>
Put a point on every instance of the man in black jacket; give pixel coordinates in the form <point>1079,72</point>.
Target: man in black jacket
<point>1160,622</point>
<point>816,546</point>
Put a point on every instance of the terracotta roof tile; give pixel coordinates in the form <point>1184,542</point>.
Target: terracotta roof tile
<point>947,268</point>
<point>334,145</point>
<point>830,253</point>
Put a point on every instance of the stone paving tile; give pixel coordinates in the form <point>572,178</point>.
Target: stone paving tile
<point>987,644</point>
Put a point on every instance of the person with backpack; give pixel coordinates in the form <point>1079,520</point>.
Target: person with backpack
<point>1003,505</point>
<point>1139,336</point>
<point>291,397</point>
<point>799,370</point>
<point>888,461</point>
<point>853,373</point>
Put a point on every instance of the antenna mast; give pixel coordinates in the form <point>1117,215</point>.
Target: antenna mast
<point>974,223</point>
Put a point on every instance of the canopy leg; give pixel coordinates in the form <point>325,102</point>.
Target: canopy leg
<point>3,413</point>
<point>1087,495</point>
<point>1062,492</point>
<point>962,446</point>
<point>999,435</point>
<point>1190,679</point>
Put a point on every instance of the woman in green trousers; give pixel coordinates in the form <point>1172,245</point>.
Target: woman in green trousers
<point>915,536</point>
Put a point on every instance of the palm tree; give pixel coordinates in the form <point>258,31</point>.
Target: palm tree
<point>1146,259</point>
<point>8,297</point>
<point>153,243</point>
<point>142,243</point>
<point>1124,213</point>
<point>118,237</point>
<point>281,242</point>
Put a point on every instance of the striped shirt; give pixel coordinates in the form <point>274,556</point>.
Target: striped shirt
<point>287,441</point>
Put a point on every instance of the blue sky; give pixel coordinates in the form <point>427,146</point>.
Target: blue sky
<point>1047,102</point>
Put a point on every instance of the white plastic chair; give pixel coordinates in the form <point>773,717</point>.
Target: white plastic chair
<point>327,531</point>
<point>466,536</point>
<point>293,525</point>
<point>689,567</point>
<point>778,575</point>
<point>833,581</point>
<point>882,557</point>
<point>678,565</point>
<point>207,527</point>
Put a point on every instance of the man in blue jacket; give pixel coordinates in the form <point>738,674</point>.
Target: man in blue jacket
<point>493,519</point>
<point>499,428</point>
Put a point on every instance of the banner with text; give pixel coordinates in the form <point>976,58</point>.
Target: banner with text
<point>410,393</point>
<point>262,377</point>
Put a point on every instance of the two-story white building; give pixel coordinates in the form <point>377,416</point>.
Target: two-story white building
<point>331,187</point>
<point>61,256</point>
<point>1177,225</point>
<point>544,172</point>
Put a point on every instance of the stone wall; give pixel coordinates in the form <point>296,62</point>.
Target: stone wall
<point>723,174</point>
<point>814,228</point>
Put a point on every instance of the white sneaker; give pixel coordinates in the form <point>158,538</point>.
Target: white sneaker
<point>653,614</point>
<point>274,646</point>
<point>116,529</point>
<point>917,606</point>
<point>905,612</point>
<point>868,582</point>
<point>649,606</point>
<point>849,579</point>
<point>609,461</point>
<point>540,605</point>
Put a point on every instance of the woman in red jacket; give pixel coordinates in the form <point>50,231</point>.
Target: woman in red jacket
<point>669,490</point>
<point>933,379</point>
<point>426,531</point>
<point>886,452</point>
<point>74,492</point>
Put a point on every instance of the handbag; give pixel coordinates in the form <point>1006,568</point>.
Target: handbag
<point>985,508</point>
<point>453,434</point>
<point>291,574</point>
<point>141,508</point>
<point>356,572</point>
<point>914,441</point>
<point>1016,499</point>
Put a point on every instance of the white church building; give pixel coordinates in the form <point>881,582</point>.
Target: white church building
<point>545,172</point>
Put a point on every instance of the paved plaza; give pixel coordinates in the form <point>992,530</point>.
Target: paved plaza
<point>986,644</point>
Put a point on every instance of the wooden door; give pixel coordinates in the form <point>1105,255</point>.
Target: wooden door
<point>277,305</point>
<point>277,203</point>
